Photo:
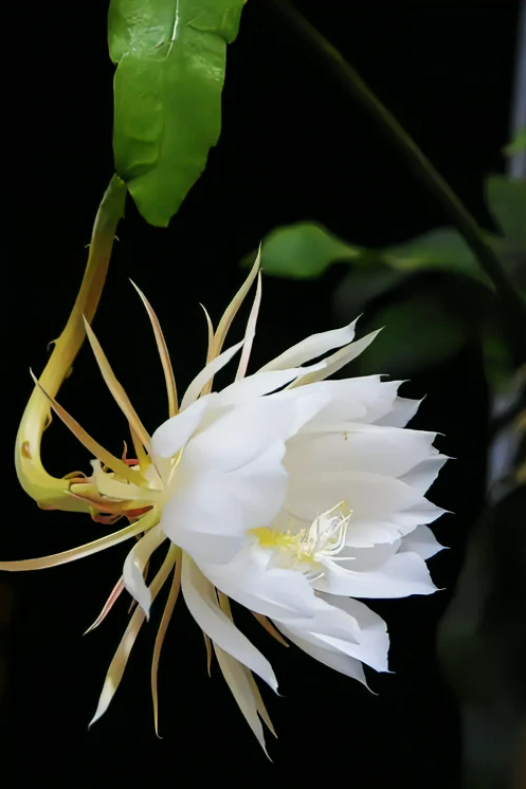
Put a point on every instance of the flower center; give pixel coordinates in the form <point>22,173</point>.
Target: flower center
<point>307,548</point>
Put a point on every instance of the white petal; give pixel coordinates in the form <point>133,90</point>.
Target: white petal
<point>374,638</point>
<point>261,384</point>
<point>210,514</point>
<point>338,360</point>
<point>175,432</point>
<point>373,399</point>
<point>270,592</point>
<point>330,657</point>
<point>350,628</point>
<point>240,435</point>
<point>421,541</point>
<point>201,600</point>
<point>368,495</point>
<point>371,558</point>
<point>312,347</point>
<point>400,413</point>
<point>364,533</point>
<point>422,476</point>
<point>362,448</point>
<point>208,372</point>
<point>250,331</point>
<point>402,575</point>
<point>134,567</point>
<point>340,404</point>
<point>257,385</point>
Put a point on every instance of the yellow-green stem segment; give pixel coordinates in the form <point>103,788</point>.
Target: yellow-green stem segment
<point>50,492</point>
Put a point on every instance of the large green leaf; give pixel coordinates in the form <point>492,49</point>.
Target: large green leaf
<point>171,67</point>
<point>507,202</point>
<point>306,250</point>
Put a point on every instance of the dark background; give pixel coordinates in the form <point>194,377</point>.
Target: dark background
<point>293,147</point>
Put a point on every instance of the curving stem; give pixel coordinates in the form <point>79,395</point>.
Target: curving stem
<point>50,492</point>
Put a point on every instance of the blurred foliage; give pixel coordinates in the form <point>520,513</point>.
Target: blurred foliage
<point>170,57</point>
<point>429,292</point>
<point>517,145</point>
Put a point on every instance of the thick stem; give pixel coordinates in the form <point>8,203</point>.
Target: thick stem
<point>354,85</point>
<point>50,492</point>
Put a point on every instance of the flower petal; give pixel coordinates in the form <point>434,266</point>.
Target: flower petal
<point>173,594</point>
<point>401,412</point>
<point>116,388</point>
<point>331,658</point>
<point>368,495</point>
<point>402,575</point>
<point>241,435</point>
<point>207,373</point>
<point>387,451</point>
<point>312,347</point>
<point>201,600</point>
<point>175,432</point>
<point>237,678</point>
<point>210,514</point>
<point>421,541</point>
<point>164,355</point>
<point>260,384</point>
<point>81,551</point>
<point>374,639</point>
<point>120,659</point>
<point>136,560</point>
<point>270,592</point>
<point>250,332</point>
<point>338,360</point>
<point>422,476</point>
<point>345,626</point>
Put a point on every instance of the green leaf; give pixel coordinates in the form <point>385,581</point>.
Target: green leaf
<point>306,250</point>
<point>420,331</point>
<point>170,57</point>
<point>498,361</point>
<point>517,145</point>
<point>303,251</point>
<point>507,202</point>
<point>442,249</point>
<point>363,286</point>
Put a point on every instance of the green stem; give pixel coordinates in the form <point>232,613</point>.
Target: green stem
<point>50,492</point>
<point>354,85</point>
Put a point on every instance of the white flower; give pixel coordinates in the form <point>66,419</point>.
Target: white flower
<point>287,492</point>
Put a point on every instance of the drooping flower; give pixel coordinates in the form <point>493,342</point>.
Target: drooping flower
<point>286,492</point>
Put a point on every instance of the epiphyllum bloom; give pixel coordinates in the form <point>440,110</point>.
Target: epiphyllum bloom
<point>287,492</point>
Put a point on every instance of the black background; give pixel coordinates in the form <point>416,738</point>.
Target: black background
<point>293,147</point>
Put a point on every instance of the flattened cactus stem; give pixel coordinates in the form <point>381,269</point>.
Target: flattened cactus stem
<point>50,492</point>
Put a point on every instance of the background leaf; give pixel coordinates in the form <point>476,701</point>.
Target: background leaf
<point>517,145</point>
<point>171,67</point>
<point>507,202</point>
<point>306,250</point>
<point>420,331</point>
